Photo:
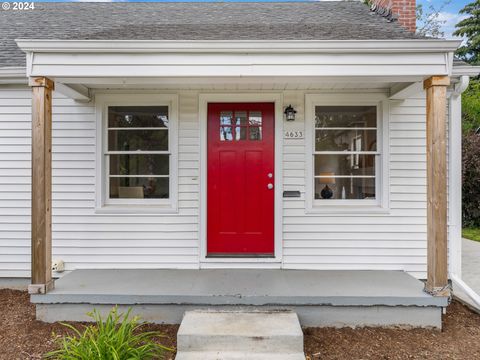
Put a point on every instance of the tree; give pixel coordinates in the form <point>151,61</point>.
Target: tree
<point>469,28</point>
<point>471,107</point>
<point>470,180</point>
<point>429,22</point>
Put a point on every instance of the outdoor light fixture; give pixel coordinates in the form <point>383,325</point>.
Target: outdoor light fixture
<point>290,113</point>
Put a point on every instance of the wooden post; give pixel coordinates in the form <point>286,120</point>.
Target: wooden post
<point>437,269</point>
<point>41,185</point>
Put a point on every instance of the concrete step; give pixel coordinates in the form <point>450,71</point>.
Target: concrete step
<point>239,335</point>
<point>236,355</point>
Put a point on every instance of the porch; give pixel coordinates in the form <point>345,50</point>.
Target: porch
<point>405,231</point>
<point>320,298</point>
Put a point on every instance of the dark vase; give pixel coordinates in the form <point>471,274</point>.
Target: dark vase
<point>326,193</point>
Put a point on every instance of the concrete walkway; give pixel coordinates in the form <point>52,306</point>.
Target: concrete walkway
<point>471,264</point>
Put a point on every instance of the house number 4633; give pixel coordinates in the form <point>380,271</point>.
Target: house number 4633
<point>293,134</point>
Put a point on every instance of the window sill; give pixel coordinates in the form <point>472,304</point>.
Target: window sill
<point>136,209</point>
<point>329,209</point>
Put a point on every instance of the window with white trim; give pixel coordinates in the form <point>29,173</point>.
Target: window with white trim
<point>137,152</point>
<point>346,156</point>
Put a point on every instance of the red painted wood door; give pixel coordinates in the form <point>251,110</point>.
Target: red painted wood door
<point>240,191</point>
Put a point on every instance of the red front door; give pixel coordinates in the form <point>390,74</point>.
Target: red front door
<point>240,193</point>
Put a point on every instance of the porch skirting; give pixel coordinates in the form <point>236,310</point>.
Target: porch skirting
<point>320,298</point>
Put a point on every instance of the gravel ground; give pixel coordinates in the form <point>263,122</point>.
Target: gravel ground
<point>22,337</point>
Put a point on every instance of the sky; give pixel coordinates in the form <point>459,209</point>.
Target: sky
<point>449,13</point>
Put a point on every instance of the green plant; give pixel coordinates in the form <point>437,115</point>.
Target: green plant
<point>470,29</point>
<point>118,337</point>
<point>471,107</point>
<point>471,180</point>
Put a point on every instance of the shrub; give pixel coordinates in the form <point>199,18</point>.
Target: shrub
<point>471,107</point>
<point>119,337</point>
<point>471,180</point>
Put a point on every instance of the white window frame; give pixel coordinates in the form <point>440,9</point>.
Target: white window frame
<point>103,203</point>
<point>381,202</point>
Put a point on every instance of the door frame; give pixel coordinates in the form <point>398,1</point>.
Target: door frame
<point>277,99</point>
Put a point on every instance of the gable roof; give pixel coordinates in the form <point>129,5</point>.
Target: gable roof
<point>330,20</point>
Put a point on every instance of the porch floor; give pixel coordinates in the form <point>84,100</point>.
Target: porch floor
<point>240,287</point>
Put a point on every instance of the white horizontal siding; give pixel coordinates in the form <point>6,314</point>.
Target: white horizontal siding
<point>84,239</point>
<point>15,181</point>
<point>395,241</point>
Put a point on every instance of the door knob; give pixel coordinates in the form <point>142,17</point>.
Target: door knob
<point>270,186</point>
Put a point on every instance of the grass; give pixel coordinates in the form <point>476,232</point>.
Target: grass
<point>471,233</point>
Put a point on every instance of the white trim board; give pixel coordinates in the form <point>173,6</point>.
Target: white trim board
<point>204,99</point>
<point>454,186</point>
<point>131,206</point>
<point>347,207</point>
<point>424,45</point>
<point>124,59</point>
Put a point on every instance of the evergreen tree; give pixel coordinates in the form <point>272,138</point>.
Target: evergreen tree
<point>470,29</point>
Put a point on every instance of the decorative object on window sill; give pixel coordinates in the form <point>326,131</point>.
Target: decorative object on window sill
<point>290,113</point>
<point>326,193</point>
<point>344,195</point>
<point>327,178</point>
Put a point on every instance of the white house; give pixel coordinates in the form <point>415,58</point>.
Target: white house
<point>196,154</point>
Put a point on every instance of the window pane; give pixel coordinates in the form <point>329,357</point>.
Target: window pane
<point>352,164</point>
<point>141,164</point>
<point>240,133</point>
<point>341,140</point>
<point>345,116</point>
<point>139,188</point>
<point>255,133</point>
<point>133,140</point>
<point>255,118</point>
<point>226,133</point>
<point>138,116</point>
<point>241,118</point>
<point>226,118</point>
<point>345,188</point>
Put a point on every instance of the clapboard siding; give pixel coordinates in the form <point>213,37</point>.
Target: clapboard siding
<point>85,239</point>
<point>15,181</point>
<point>82,238</point>
<point>396,240</point>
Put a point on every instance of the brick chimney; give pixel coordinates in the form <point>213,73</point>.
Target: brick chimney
<point>402,10</point>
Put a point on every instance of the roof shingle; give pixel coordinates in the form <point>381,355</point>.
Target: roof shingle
<point>331,20</point>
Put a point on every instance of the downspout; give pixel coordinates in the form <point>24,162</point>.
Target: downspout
<point>474,297</point>
<point>455,189</point>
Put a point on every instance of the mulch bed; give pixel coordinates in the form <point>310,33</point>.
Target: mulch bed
<point>22,337</point>
<point>459,339</point>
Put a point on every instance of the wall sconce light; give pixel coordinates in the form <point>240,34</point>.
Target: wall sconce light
<point>290,113</point>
